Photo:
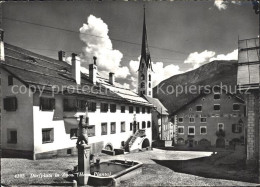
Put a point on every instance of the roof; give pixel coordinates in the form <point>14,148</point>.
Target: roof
<point>203,93</point>
<point>46,73</point>
<point>248,63</point>
<point>159,106</point>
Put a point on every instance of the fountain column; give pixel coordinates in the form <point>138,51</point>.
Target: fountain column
<point>83,163</point>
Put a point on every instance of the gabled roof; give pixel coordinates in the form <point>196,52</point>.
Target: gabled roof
<point>248,63</point>
<point>204,93</point>
<point>45,73</point>
<point>157,103</point>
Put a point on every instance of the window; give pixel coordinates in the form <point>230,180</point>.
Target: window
<point>181,130</point>
<point>122,109</point>
<point>113,108</point>
<point>92,106</point>
<point>236,128</point>
<point>143,110</point>
<point>131,126</point>
<point>216,96</point>
<point>47,135</point>
<point>81,105</point>
<point>104,107</point>
<point>74,133</point>
<point>47,104</point>
<point>148,124</point>
<point>203,130</point>
<point>91,130</point>
<point>69,105</point>
<point>203,120</point>
<point>236,107</point>
<point>180,120</point>
<point>191,130</point>
<point>149,92</point>
<point>198,108</point>
<point>142,77</point>
<point>113,127</point>
<point>217,107</point>
<point>103,128</point>
<point>10,103</point>
<point>150,77</point>
<point>10,80</point>
<point>122,126</point>
<point>11,136</point>
<point>220,126</point>
<point>149,85</point>
<point>148,110</point>
<point>137,110</point>
<point>131,109</point>
<point>143,125</point>
<point>192,120</point>
<point>143,92</point>
<point>142,85</point>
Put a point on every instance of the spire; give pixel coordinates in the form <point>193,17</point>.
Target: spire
<point>145,54</point>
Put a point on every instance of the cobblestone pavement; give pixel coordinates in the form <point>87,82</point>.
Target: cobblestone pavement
<point>156,175</point>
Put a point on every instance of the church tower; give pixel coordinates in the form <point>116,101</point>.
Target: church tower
<point>145,67</point>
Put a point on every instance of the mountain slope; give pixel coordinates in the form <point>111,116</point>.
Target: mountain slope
<point>213,73</point>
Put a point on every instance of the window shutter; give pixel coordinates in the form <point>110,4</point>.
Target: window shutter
<point>15,103</point>
<point>233,128</point>
<point>94,106</point>
<point>52,103</point>
<point>240,128</point>
<point>6,104</point>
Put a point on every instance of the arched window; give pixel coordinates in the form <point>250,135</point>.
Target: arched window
<point>149,77</point>
<point>142,85</point>
<point>142,77</point>
<point>149,85</point>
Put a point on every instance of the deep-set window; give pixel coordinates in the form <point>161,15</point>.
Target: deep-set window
<point>137,110</point>
<point>181,130</point>
<point>103,107</point>
<point>103,128</point>
<point>131,109</point>
<point>221,126</point>
<point>143,124</point>
<point>91,130</point>
<point>11,136</point>
<point>10,103</point>
<point>81,105</point>
<point>203,120</point>
<point>74,133</point>
<point>122,126</point>
<point>191,130</point>
<point>216,96</point>
<point>47,135</point>
<point>92,106</point>
<point>236,128</point>
<point>122,109</point>
<point>113,127</point>
<point>148,124</point>
<point>113,108</point>
<point>69,105</point>
<point>203,130</point>
<point>180,120</point>
<point>236,107</point>
<point>143,110</point>
<point>148,110</point>
<point>217,107</point>
<point>192,120</point>
<point>47,104</point>
<point>131,126</point>
<point>198,108</point>
<point>10,80</point>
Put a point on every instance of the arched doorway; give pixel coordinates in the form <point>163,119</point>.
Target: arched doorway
<point>146,143</point>
<point>109,147</point>
<point>220,143</point>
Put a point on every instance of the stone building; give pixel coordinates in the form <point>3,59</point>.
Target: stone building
<point>213,118</point>
<point>248,83</point>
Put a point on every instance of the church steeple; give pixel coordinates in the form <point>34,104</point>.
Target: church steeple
<point>145,66</point>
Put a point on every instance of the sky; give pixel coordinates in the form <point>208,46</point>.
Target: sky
<point>182,35</point>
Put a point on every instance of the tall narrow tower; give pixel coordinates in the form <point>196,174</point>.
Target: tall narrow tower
<point>145,67</point>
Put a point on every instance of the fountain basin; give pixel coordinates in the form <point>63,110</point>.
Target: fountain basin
<point>110,173</point>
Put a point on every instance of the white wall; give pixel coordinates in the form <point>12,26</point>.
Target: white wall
<point>21,119</point>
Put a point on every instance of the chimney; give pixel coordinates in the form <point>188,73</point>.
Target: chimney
<point>75,68</point>
<point>2,47</point>
<point>61,55</point>
<point>93,71</point>
<point>111,78</point>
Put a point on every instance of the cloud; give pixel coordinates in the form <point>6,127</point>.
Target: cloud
<point>160,72</point>
<point>94,34</point>
<point>198,59</point>
<point>222,4</point>
<point>230,56</point>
